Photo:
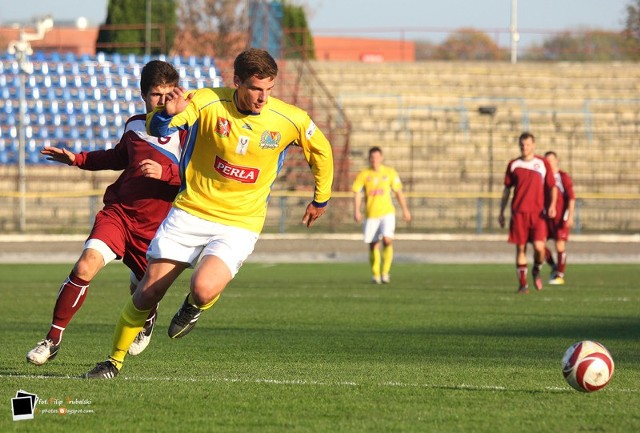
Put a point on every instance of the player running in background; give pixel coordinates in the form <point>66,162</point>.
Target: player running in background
<point>238,139</point>
<point>563,222</point>
<point>377,183</point>
<point>531,177</point>
<point>134,206</point>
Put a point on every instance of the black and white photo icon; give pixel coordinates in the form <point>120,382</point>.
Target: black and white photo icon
<point>23,405</point>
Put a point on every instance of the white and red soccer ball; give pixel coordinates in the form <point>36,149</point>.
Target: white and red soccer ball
<point>587,366</point>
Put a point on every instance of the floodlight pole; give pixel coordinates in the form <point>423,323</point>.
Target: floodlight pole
<point>515,37</point>
<point>147,42</point>
<point>22,144</point>
<point>22,49</point>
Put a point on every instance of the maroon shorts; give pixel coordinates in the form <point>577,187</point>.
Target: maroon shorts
<point>527,227</point>
<point>113,229</point>
<point>558,230</point>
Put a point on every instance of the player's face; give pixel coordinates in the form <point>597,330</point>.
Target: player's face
<point>156,96</point>
<point>553,162</point>
<point>375,160</point>
<point>527,147</point>
<point>253,93</point>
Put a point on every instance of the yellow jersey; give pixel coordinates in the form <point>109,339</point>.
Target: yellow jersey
<point>231,158</point>
<point>377,187</point>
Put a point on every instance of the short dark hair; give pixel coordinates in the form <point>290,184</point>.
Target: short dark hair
<point>526,135</point>
<point>255,62</point>
<point>157,73</point>
<point>549,153</point>
<point>375,149</point>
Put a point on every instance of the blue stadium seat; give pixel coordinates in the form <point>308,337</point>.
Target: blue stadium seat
<point>42,132</point>
<point>8,106</point>
<point>71,121</point>
<point>41,119</point>
<point>35,94</point>
<point>118,121</point>
<point>58,133</point>
<point>112,94</point>
<point>76,146</point>
<point>5,158</point>
<point>128,95</point>
<point>32,151</point>
<point>83,98</point>
<point>38,105</point>
<point>104,133</point>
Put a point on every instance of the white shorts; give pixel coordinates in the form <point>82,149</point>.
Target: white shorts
<point>183,238</point>
<point>376,228</point>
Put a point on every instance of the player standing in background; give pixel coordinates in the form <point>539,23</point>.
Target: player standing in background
<point>134,206</point>
<point>560,226</point>
<point>238,139</point>
<point>531,177</point>
<point>377,183</point>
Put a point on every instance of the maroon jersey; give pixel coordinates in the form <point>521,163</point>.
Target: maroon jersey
<point>565,194</point>
<point>141,201</point>
<point>531,179</point>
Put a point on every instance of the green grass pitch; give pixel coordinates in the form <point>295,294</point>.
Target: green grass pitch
<point>316,348</point>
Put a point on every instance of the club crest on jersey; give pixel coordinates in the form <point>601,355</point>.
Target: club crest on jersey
<point>270,140</point>
<point>236,172</point>
<point>223,127</point>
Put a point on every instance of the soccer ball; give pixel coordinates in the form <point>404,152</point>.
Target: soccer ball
<point>587,366</point>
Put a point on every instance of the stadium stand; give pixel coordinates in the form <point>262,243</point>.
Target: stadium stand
<point>425,115</point>
<point>81,102</point>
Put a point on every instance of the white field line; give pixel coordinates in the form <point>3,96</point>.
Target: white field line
<point>311,383</point>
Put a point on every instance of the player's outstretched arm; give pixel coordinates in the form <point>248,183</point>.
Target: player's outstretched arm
<point>312,213</point>
<point>59,155</point>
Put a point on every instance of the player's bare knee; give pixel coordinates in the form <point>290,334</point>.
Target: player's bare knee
<point>88,265</point>
<point>203,294</point>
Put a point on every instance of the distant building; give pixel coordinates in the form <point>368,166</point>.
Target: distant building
<point>69,37</point>
<point>364,50</point>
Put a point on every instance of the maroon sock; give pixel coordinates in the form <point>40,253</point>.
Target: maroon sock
<point>70,298</point>
<point>522,274</point>
<point>548,257</point>
<point>562,262</point>
<point>536,268</point>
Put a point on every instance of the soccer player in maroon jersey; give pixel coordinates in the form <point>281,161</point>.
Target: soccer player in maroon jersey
<point>134,206</point>
<point>531,177</point>
<point>563,222</point>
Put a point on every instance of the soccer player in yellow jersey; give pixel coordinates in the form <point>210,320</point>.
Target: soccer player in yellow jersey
<point>377,183</point>
<point>237,141</point>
